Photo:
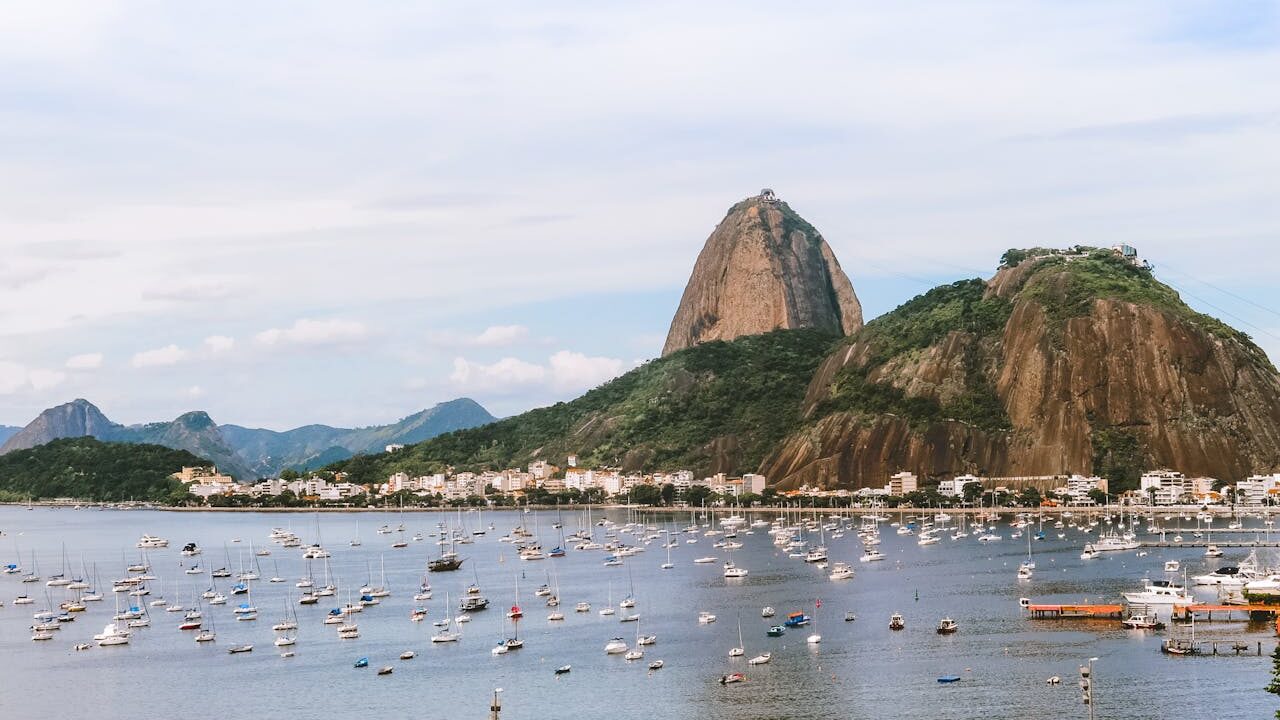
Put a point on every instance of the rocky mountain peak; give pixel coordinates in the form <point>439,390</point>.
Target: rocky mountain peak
<point>763,268</point>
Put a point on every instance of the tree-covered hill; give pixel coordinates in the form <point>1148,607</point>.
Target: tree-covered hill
<point>715,407</point>
<point>89,469</point>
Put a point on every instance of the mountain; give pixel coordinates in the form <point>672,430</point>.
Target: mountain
<point>1064,362</point>
<point>8,431</point>
<point>88,468</point>
<point>314,446</point>
<point>1073,361</point>
<point>246,453</point>
<point>74,419</point>
<point>763,268</point>
<point>194,431</point>
<point>717,407</point>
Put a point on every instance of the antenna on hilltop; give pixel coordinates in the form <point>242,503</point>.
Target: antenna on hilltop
<point>767,195</point>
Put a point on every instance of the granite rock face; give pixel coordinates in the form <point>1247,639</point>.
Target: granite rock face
<point>764,268</point>
<point>1175,388</point>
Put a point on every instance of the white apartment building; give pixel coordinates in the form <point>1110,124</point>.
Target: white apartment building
<point>955,487</point>
<point>1257,488</point>
<point>754,483</point>
<point>1169,486</point>
<point>902,483</point>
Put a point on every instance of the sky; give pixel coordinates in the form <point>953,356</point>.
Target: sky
<point>324,212</point>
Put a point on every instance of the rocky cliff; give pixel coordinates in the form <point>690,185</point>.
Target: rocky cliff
<point>763,268</point>
<point>77,418</point>
<point>1059,364</point>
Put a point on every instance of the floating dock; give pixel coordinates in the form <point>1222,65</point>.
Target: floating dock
<point>1199,542</point>
<point>1253,611</point>
<point>1074,612</point>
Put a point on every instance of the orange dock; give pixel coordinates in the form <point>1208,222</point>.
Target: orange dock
<point>1185,611</point>
<point>1076,611</point>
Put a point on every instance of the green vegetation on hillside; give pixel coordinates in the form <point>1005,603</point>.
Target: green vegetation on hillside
<point>1118,456</point>
<point>727,400</point>
<point>1067,287</point>
<point>917,324</point>
<point>89,469</point>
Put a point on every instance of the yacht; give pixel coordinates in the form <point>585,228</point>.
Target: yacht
<point>871,555</point>
<point>615,646</point>
<point>947,626</point>
<point>705,618</point>
<point>841,571</point>
<point>151,541</point>
<point>1111,542</point>
<point>733,571</point>
<point>1159,592</point>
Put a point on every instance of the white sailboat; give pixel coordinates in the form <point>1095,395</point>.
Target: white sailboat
<point>740,650</point>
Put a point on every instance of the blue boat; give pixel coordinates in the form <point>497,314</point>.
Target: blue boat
<point>362,662</point>
<point>949,679</point>
<point>796,619</point>
<point>776,631</point>
<point>556,552</point>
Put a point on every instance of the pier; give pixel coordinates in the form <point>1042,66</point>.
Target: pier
<point>1076,612</point>
<point>1253,611</point>
<point>1199,542</point>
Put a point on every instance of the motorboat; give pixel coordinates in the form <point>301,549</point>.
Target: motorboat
<point>871,555</point>
<point>896,622</point>
<point>1143,622</point>
<point>705,618</point>
<point>767,612</point>
<point>656,665</point>
<point>732,678</point>
<point>947,626</point>
<point>733,571</point>
<point>796,619</point>
<point>776,631</point>
<point>616,646</point>
<point>841,571</point>
<point>1089,552</point>
<point>151,541</point>
<point>1212,552</point>
<point>1159,592</point>
<point>1171,566</point>
<point>761,659</point>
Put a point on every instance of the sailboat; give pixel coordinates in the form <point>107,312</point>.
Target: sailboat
<point>608,609</point>
<point>815,638</point>
<point>740,650</point>
<point>112,634</point>
<point>668,564</point>
<point>246,610</point>
<point>446,635</point>
<point>355,542</point>
<point>1026,566</point>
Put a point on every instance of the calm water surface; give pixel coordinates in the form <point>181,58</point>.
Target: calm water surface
<point>860,670</point>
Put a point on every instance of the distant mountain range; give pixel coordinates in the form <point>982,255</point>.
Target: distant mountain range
<point>8,431</point>
<point>245,453</point>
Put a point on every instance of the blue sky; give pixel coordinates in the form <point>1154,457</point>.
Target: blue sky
<point>324,213</point>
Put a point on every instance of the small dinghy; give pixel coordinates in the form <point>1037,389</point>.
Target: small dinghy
<point>362,662</point>
<point>563,670</point>
<point>385,670</point>
<point>656,665</point>
<point>949,679</point>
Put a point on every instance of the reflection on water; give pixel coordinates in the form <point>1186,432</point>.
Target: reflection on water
<point>860,670</point>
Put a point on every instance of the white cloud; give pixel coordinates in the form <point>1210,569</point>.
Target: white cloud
<point>167,355</point>
<point>503,376</point>
<point>219,343</point>
<point>565,371</point>
<point>572,371</point>
<point>195,391</point>
<point>332,331</point>
<point>86,361</point>
<point>501,335</point>
<point>15,378</point>
<point>45,379</point>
